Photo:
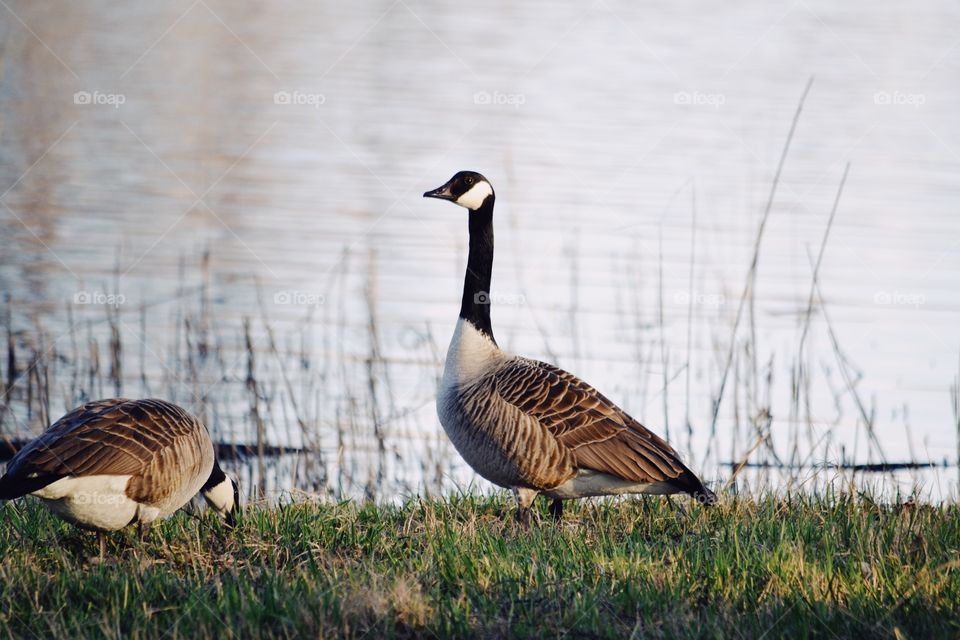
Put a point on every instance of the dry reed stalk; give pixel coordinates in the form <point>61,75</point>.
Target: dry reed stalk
<point>254,392</point>
<point>955,406</point>
<point>690,281</point>
<point>752,271</point>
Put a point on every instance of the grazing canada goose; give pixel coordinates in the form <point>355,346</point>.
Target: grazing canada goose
<point>113,463</point>
<point>528,425</point>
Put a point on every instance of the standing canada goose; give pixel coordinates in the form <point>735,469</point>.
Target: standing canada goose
<point>528,425</point>
<point>113,463</point>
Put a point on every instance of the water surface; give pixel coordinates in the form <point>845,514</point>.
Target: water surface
<point>632,149</point>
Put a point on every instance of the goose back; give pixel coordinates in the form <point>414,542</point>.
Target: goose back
<point>526,423</point>
<point>164,451</point>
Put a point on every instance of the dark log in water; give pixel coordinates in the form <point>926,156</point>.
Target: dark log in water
<point>225,450</point>
<point>877,467</point>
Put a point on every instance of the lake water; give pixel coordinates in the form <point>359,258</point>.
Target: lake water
<point>632,148</point>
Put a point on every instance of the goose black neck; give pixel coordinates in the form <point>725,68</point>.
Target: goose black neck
<point>475,306</point>
<point>216,477</point>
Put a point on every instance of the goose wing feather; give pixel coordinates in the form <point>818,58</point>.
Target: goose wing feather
<point>147,439</point>
<point>601,436</point>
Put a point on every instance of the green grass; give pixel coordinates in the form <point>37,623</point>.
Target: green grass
<point>821,567</point>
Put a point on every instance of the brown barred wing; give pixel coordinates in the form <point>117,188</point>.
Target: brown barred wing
<point>601,436</point>
<point>115,436</point>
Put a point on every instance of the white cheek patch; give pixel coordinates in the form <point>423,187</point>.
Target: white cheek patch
<point>220,497</point>
<point>474,198</point>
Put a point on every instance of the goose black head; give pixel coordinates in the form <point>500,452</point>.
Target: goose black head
<point>222,493</point>
<point>467,188</point>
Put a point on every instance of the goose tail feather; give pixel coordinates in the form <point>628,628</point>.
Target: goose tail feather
<point>13,487</point>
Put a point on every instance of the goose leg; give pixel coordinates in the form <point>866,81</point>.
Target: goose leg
<point>556,509</point>
<point>522,516</point>
<point>525,498</point>
<point>677,506</point>
<point>139,551</point>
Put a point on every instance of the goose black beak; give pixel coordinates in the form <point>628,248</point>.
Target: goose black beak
<point>441,193</point>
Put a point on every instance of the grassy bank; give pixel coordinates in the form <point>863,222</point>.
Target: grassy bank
<point>800,567</point>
